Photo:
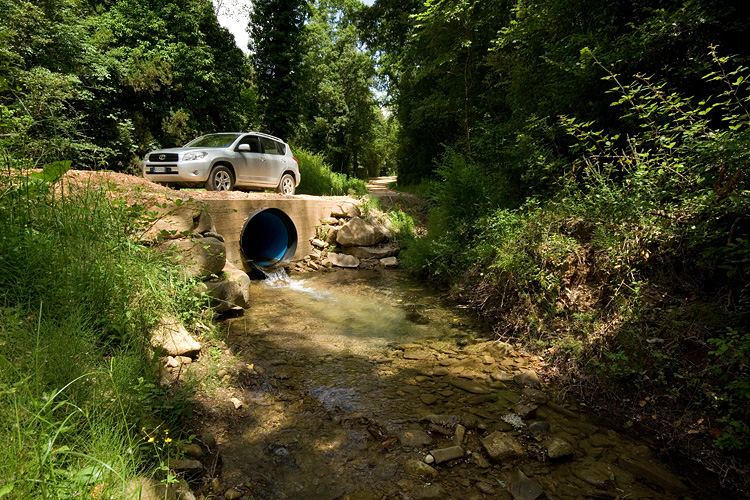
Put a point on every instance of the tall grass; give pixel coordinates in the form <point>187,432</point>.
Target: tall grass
<point>318,179</point>
<point>77,296</point>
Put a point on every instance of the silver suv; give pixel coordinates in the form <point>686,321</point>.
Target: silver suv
<point>225,160</point>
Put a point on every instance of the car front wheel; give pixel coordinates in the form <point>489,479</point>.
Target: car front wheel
<point>286,184</point>
<point>221,179</point>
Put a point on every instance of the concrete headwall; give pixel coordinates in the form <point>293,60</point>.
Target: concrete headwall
<point>306,212</point>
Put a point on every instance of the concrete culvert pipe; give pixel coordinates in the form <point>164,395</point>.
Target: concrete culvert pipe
<point>268,239</point>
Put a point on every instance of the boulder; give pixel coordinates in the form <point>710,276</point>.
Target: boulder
<point>225,294</point>
<point>330,238</point>
<point>187,219</point>
<point>358,232</point>
<point>341,260</point>
<point>241,278</point>
<point>376,252</point>
<point>200,257</point>
<point>389,262</point>
<point>346,209</point>
<point>527,379</point>
<point>171,337</point>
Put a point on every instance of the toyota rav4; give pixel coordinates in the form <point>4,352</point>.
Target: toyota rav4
<point>223,161</point>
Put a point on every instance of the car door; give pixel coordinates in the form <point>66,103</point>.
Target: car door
<point>275,160</point>
<point>250,168</point>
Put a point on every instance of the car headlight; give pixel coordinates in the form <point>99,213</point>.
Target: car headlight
<point>198,155</point>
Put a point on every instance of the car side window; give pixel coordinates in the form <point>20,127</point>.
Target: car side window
<point>252,141</point>
<point>271,147</point>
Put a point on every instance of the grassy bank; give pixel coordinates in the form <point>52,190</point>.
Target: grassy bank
<point>77,297</point>
<point>631,277</point>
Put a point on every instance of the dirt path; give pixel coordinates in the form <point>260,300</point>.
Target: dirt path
<point>416,207</point>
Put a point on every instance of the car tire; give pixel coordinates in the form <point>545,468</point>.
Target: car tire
<point>220,179</point>
<point>286,184</point>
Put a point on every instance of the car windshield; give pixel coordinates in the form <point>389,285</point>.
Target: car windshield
<point>213,141</point>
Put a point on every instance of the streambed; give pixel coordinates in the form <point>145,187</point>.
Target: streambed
<point>342,385</point>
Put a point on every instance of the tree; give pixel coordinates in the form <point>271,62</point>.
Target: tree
<point>276,54</point>
<point>340,112</point>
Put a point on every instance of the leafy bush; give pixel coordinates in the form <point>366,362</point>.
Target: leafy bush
<point>598,272</point>
<point>318,179</point>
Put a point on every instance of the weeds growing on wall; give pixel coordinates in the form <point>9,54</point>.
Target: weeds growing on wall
<point>77,297</point>
<point>635,274</point>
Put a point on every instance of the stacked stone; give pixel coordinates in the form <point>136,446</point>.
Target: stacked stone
<point>186,234</point>
<point>346,239</point>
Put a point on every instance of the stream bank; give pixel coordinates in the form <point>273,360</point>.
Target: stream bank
<point>357,384</point>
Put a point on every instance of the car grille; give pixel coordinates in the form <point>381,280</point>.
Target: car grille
<point>161,157</point>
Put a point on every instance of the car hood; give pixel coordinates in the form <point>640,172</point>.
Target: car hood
<point>185,150</point>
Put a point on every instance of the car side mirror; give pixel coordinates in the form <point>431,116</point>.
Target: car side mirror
<point>244,147</point>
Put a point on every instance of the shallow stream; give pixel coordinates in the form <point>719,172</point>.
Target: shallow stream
<point>368,385</point>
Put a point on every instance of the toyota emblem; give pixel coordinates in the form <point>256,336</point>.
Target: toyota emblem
<point>162,157</point>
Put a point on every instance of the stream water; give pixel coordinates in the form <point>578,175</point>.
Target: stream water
<point>367,385</point>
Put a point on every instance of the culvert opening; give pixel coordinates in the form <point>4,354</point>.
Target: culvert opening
<point>268,239</point>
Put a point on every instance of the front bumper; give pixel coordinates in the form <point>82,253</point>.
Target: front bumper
<point>181,171</point>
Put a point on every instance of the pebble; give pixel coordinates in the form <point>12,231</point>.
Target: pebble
<point>559,448</point>
<point>470,386</point>
<point>428,399</point>
<point>478,459</point>
<point>232,494</point>
<point>485,488</point>
<point>188,466</point>
<point>419,468</point>
<point>459,435</point>
<point>192,450</point>
<point>414,438</point>
<point>428,492</point>
<point>447,454</point>
<point>523,488</point>
<point>501,446</point>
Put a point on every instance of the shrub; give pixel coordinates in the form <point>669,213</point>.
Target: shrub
<point>318,179</point>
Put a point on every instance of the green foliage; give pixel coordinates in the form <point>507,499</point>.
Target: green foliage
<point>662,207</point>
<point>77,298</point>
<point>276,54</point>
<point>99,85</point>
<point>732,397</point>
<point>317,178</point>
<point>340,116</point>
